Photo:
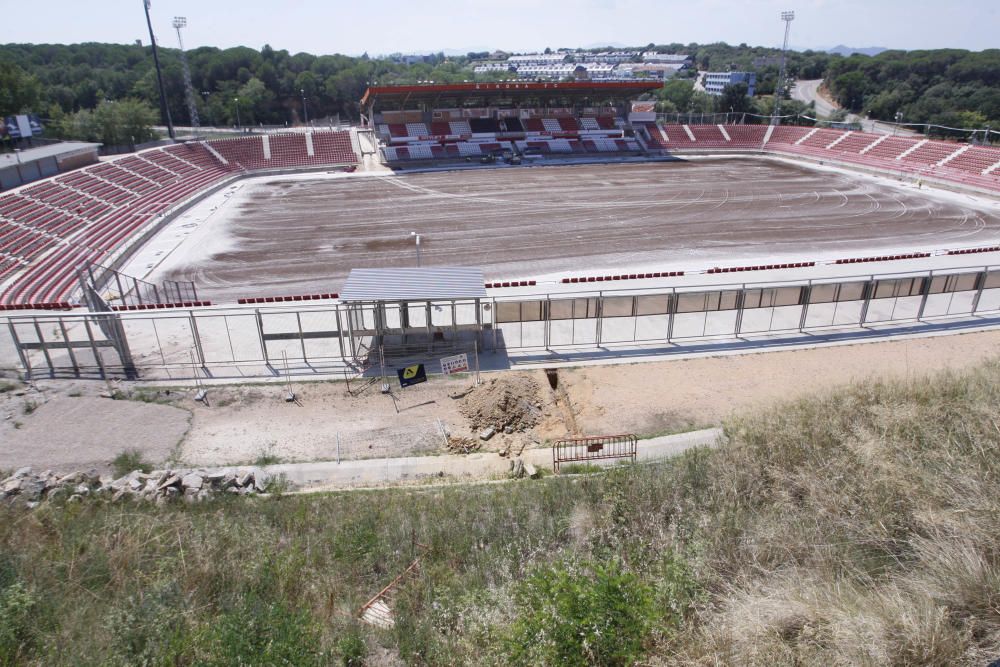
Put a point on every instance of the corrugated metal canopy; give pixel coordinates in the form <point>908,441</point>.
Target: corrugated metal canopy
<point>414,284</point>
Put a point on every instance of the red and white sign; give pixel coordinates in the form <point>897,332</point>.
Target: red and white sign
<point>457,364</point>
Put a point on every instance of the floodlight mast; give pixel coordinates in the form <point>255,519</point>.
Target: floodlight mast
<point>181,22</point>
<point>787,17</point>
<point>159,75</point>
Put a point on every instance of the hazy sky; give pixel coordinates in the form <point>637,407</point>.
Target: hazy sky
<point>386,26</point>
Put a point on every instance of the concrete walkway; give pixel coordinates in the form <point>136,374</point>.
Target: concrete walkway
<point>330,475</point>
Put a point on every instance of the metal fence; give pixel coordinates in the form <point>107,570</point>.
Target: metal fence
<point>248,341</point>
<point>594,448</point>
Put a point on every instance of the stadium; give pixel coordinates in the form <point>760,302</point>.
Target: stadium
<point>578,205</point>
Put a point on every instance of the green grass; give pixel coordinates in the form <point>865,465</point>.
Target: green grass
<point>857,527</point>
<point>127,461</point>
<point>7,386</point>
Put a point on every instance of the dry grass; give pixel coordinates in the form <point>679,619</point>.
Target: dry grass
<point>854,528</point>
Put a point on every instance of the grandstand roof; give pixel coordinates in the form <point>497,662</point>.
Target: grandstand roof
<point>414,284</point>
<point>42,152</point>
<point>507,89</point>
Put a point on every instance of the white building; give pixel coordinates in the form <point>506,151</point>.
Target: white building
<point>716,81</point>
<point>537,59</point>
<point>666,58</point>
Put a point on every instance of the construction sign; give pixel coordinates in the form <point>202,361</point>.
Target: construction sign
<point>457,364</point>
<point>411,375</point>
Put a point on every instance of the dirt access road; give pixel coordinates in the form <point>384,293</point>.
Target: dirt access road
<point>247,423</point>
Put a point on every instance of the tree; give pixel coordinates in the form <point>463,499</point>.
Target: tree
<point>735,99</point>
<point>19,91</point>
<point>121,123</point>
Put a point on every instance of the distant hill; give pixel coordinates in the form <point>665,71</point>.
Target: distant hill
<point>845,51</point>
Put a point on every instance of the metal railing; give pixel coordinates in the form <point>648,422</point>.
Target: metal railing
<point>323,339</point>
<point>594,448</point>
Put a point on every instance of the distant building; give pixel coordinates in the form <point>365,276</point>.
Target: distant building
<point>666,58</point>
<point>537,59</point>
<point>612,57</point>
<point>716,81</point>
<point>489,68</point>
<point>648,70</point>
<point>563,70</point>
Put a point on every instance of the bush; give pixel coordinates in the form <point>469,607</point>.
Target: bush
<point>588,614</point>
<point>129,460</point>
<point>260,632</point>
<point>16,624</point>
<point>352,649</point>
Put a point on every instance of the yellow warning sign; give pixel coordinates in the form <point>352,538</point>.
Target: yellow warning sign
<point>411,375</point>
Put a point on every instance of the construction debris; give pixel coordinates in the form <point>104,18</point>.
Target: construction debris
<point>509,403</point>
<point>458,445</point>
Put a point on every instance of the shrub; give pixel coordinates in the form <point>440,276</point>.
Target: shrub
<point>129,460</point>
<point>16,624</point>
<point>587,614</point>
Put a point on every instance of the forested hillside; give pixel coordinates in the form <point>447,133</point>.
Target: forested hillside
<point>948,87</point>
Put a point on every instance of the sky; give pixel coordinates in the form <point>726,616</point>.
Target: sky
<point>387,26</point>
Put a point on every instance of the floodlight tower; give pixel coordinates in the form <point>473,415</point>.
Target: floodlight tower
<point>181,22</point>
<point>787,17</point>
<point>159,75</point>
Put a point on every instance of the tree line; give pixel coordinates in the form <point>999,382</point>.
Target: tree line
<point>90,89</point>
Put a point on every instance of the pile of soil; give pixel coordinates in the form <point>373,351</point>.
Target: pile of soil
<point>508,402</point>
<point>463,445</point>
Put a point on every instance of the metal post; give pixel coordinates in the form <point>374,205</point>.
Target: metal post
<point>740,301</point>
<point>197,338</point>
<point>600,317</point>
<point>159,74</point>
<point>787,17</point>
<point>980,283</point>
<point>925,292</point>
<point>69,347</point>
<point>93,347</point>
<point>869,292</point>
<point>806,297</point>
<point>671,313</point>
<point>45,350</point>
<point>260,334</point>
<point>302,340</point>
<point>20,352</point>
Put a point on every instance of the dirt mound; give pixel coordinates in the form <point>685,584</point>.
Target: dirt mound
<point>506,402</point>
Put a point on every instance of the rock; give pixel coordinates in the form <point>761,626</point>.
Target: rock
<point>204,495</point>
<point>31,489</point>
<point>81,489</point>
<point>12,486</point>
<point>216,476</point>
<point>133,484</point>
<point>244,479</point>
<point>75,498</point>
<point>517,468</point>
<point>172,491</point>
<point>169,482</point>
<point>487,433</point>
<point>31,504</point>
<point>22,472</point>
<point>192,481</point>
<point>119,495</point>
<point>162,500</point>
<point>232,489</point>
<point>260,480</point>
<point>531,471</point>
<point>72,478</point>
<point>508,429</point>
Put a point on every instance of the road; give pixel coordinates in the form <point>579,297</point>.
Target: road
<point>807,91</point>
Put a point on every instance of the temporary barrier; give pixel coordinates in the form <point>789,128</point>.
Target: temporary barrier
<point>594,448</point>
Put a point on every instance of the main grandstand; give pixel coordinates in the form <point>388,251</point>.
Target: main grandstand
<point>102,213</point>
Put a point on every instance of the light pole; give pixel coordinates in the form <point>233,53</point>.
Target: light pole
<point>159,75</point>
<point>305,110</point>
<point>417,237</point>
<point>899,118</point>
<point>787,17</point>
<point>181,22</point>
<point>239,126</point>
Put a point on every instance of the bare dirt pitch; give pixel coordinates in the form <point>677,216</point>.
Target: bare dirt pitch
<point>304,235</point>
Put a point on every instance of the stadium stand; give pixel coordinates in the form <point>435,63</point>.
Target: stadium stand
<point>52,227</point>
